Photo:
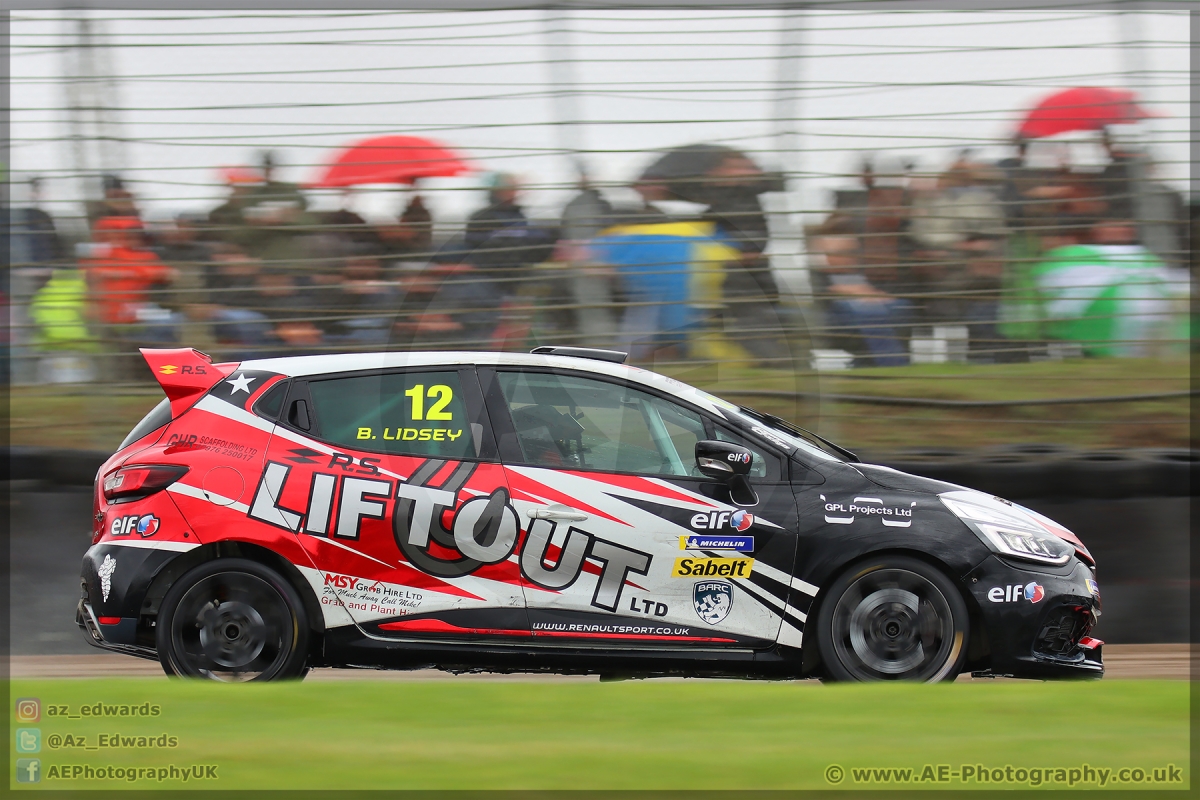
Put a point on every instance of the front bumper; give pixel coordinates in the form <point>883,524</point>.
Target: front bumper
<point>1037,619</point>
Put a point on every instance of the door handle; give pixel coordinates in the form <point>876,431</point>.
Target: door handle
<point>557,511</point>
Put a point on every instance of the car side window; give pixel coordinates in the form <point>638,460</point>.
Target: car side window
<point>766,467</point>
<point>402,413</point>
<point>582,423</point>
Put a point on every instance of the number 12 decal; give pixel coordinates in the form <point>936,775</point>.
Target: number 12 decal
<point>444,395</point>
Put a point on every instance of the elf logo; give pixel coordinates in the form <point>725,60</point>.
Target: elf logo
<point>1032,591</point>
<point>146,525</point>
<point>739,520</point>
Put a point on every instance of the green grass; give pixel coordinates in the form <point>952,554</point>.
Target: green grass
<point>470,734</point>
<point>99,416</point>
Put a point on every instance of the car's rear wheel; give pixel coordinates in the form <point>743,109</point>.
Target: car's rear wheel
<point>233,620</point>
<point>892,618</point>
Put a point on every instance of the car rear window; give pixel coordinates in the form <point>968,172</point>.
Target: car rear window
<point>159,416</point>
<point>410,413</point>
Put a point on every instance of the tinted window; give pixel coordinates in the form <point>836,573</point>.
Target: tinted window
<point>271,403</point>
<point>413,413</point>
<point>159,415</point>
<point>566,421</point>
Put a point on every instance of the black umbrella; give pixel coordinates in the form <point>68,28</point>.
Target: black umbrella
<point>690,173</point>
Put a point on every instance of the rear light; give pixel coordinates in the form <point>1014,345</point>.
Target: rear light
<point>134,483</point>
<point>109,620</point>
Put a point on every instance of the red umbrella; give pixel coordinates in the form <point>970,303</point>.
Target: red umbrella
<point>1086,108</point>
<point>391,159</point>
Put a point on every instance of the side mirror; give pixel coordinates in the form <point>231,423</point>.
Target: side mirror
<point>730,463</point>
<point>723,460</point>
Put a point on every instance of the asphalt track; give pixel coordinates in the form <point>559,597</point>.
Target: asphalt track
<point>1122,662</point>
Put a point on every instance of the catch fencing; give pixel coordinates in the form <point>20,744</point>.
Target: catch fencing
<point>863,204</point>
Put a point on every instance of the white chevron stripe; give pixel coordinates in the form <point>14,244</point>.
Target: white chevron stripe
<point>150,544</point>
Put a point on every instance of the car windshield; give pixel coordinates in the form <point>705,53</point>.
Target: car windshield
<point>772,432</point>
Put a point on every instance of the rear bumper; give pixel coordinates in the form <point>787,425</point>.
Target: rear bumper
<point>117,638</point>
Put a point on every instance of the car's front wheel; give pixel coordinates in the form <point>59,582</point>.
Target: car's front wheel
<point>234,620</point>
<point>892,618</point>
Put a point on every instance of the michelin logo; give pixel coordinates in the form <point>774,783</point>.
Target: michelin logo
<point>742,544</point>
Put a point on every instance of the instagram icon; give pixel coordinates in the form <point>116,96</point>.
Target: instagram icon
<point>29,709</point>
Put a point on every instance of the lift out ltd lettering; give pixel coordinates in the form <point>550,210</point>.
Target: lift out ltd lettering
<point>484,529</point>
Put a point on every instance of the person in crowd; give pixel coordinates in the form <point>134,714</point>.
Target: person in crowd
<point>117,200</point>
<point>291,308</point>
<point>59,313</point>
<point>861,317</point>
<point>591,283</point>
<point>280,231</point>
<point>750,292</point>
<point>181,248</point>
<point>35,250</point>
<point>504,247</point>
<point>34,237</point>
<point>1111,295</point>
<point>359,307</point>
<point>410,240</point>
<point>123,275</point>
<point>349,226</point>
<point>225,222</point>
<point>417,223</point>
<point>503,210</point>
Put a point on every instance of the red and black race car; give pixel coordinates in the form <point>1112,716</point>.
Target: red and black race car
<point>557,511</point>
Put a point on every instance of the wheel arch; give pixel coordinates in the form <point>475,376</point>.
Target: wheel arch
<point>177,567</point>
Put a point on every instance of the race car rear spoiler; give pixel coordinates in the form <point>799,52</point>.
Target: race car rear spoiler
<point>185,374</point>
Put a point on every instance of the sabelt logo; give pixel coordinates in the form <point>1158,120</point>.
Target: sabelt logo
<point>712,568</point>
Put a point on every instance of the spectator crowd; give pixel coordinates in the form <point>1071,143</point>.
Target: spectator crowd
<point>1013,260</point>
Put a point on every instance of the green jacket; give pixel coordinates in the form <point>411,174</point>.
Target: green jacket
<point>59,310</point>
<point>1114,300</point>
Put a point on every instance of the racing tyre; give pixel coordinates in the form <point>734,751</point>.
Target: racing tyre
<point>892,618</point>
<point>233,620</point>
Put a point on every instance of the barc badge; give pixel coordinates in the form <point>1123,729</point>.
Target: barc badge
<point>713,600</point>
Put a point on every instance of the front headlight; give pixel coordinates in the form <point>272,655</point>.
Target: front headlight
<point>1008,532</point>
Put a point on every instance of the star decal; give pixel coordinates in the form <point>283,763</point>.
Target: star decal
<point>241,384</point>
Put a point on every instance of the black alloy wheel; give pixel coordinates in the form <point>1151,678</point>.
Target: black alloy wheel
<point>892,618</point>
<point>233,620</point>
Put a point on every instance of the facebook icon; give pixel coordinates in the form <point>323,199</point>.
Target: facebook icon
<point>29,770</point>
